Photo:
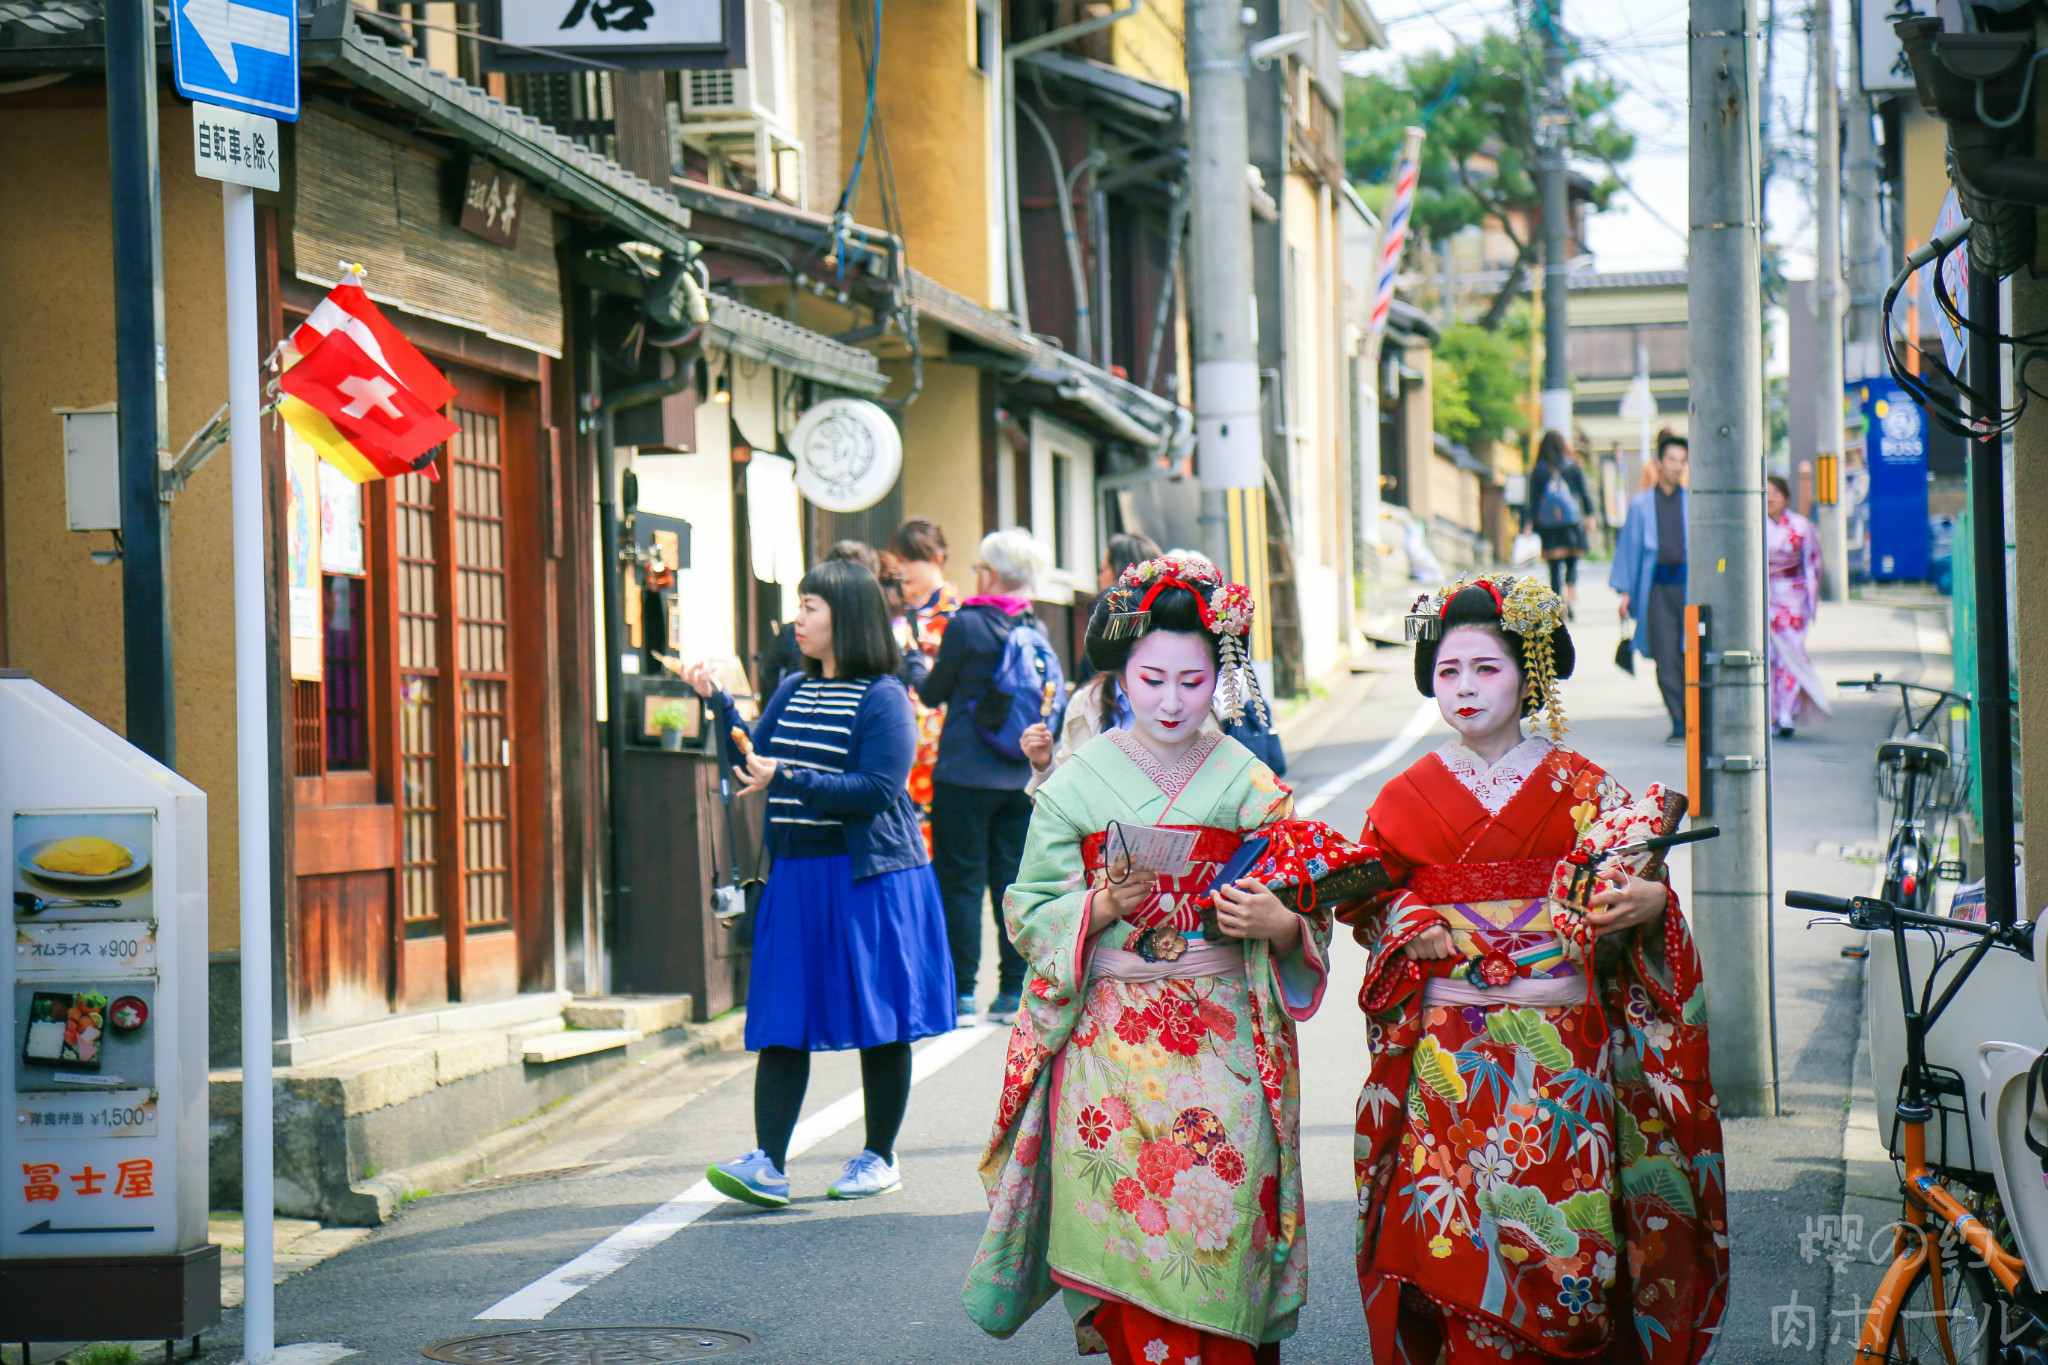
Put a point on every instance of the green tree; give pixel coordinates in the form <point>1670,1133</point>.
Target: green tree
<point>1479,379</point>
<point>1480,103</point>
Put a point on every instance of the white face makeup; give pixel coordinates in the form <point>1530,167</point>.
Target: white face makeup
<point>1479,689</point>
<point>1169,678</point>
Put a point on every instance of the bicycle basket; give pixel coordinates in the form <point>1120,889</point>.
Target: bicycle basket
<point>1942,790</point>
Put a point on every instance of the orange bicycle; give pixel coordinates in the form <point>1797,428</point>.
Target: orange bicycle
<point>1953,1293</point>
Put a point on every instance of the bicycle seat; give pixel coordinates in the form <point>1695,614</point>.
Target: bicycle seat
<point>1913,754</point>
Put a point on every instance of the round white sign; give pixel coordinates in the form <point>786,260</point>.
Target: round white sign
<point>848,454</point>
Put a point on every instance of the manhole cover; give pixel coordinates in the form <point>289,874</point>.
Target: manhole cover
<point>590,1346</point>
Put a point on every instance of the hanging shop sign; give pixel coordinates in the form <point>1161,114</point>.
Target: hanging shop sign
<point>104,1150</point>
<point>491,203</point>
<point>641,35</point>
<point>1897,455</point>
<point>848,454</point>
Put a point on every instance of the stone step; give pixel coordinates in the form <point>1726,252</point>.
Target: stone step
<point>643,1013</point>
<point>555,1047</point>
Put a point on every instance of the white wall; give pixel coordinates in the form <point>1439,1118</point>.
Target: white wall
<point>698,488</point>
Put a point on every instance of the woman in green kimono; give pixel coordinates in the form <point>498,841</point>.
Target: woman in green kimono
<point>1145,1159</point>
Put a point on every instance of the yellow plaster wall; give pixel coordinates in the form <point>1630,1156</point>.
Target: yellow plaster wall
<point>1925,172</point>
<point>942,462</point>
<point>1152,43</point>
<point>932,102</point>
<point>57,350</point>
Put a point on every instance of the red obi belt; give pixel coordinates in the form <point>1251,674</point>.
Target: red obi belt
<point>1175,901</point>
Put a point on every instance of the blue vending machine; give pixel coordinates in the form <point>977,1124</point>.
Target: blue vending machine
<point>1896,456</point>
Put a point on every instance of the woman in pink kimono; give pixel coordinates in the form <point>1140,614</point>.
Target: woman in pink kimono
<point>1793,554</point>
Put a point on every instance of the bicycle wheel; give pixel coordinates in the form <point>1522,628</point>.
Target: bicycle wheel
<point>1950,1314</point>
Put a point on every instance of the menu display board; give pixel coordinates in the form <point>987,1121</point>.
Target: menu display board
<point>104,1160</point>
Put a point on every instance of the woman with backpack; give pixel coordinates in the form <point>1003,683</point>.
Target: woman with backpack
<point>849,938</point>
<point>1560,511</point>
<point>979,807</point>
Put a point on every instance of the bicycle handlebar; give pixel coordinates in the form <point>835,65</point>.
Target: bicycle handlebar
<point>1868,912</point>
<point>1877,680</point>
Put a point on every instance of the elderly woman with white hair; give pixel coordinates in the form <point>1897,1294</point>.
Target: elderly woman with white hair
<point>980,809</point>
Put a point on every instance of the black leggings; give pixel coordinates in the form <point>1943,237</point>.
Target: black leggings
<point>783,1073</point>
<point>1563,571</point>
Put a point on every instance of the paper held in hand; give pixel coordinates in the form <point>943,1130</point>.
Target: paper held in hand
<point>1152,850</point>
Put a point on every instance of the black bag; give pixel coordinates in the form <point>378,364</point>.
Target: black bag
<point>734,904</point>
<point>1625,651</point>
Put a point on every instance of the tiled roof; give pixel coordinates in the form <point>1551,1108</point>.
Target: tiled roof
<point>1627,279</point>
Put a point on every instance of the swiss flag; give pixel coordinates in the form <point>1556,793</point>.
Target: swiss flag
<point>365,401</point>
<point>385,345</point>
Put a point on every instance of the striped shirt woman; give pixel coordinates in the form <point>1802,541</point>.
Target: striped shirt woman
<point>850,938</point>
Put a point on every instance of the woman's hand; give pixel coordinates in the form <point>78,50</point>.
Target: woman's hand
<point>1431,945</point>
<point>1639,901</point>
<point>1248,909</point>
<point>1036,742</point>
<point>701,677</point>
<point>1115,900</point>
<point>756,775</point>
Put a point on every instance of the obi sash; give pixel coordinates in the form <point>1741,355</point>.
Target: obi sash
<point>1499,915</point>
<point>1174,902</point>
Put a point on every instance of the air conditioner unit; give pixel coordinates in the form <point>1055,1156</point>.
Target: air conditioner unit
<point>761,89</point>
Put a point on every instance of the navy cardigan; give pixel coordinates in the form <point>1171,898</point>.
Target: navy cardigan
<point>869,798</point>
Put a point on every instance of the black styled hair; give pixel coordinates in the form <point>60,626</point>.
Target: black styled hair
<point>861,643</point>
<point>1128,548</point>
<point>1666,438</point>
<point>1553,449</point>
<point>1474,606</point>
<point>1175,609</point>
<point>1784,489</point>
<point>920,539</point>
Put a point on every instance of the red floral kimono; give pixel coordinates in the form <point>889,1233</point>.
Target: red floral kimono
<point>1540,1178</point>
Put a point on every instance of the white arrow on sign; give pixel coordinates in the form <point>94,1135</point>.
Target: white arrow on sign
<point>222,25</point>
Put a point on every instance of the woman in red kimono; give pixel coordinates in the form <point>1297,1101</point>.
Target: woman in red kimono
<point>1538,1152</point>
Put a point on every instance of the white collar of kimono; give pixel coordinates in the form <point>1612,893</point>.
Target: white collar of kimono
<point>1172,780</point>
<point>1494,787</point>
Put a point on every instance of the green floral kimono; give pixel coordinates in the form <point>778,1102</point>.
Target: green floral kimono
<point>1146,1147</point>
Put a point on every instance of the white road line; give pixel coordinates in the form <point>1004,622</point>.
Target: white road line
<point>1384,757</point>
<point>623,1247</point>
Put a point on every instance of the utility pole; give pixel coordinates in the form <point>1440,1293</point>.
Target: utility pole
<point>1731,909</point>
<point>1229,450</point>
<point>1557,356</point>
<point>139,377</point>
<point>1827,300</point>
<point>1866,271</point>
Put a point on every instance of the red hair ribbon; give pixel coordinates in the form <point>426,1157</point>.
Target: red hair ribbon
<point>1175,581</point>
<point>1499,603</point>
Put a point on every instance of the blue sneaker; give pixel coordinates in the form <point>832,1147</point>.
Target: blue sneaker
<point>752,1179</point>
<point>963,1013</point>
<point>1003,1009</point>
<point>866,1176</point>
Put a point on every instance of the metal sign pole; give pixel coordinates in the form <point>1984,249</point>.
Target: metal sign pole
<point>252,733</point>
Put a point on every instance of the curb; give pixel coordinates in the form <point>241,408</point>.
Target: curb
<point>383,1194</point>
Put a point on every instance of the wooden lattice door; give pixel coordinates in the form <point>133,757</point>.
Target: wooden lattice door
<point>457,874</point>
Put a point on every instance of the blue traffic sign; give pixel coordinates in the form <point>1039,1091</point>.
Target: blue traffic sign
<point>239,54</point>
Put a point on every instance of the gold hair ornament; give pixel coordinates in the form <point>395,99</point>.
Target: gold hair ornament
<point>1527,608</point>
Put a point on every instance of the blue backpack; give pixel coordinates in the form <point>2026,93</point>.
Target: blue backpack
<point>1559,506</point>
<point>1015,699</point>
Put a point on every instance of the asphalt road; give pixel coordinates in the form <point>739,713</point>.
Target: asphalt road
<point>879,1281</point>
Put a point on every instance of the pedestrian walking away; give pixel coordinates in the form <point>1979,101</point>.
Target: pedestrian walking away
<point>1150,1108</point>
<point>1560,511</point>
<point>1792,552</point>
<point>979,806</point>
<point>849,941</point>
<point>1538,1151</point>
<point>1649,573</point>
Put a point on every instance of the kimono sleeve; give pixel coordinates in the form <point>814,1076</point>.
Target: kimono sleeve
<point>1301,972</point>
<point>1046,908</point>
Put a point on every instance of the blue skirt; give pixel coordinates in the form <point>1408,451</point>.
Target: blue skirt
<point>840,963</point>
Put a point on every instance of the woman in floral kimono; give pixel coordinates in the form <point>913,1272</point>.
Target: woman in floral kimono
<point>1145,1157</point>
<point>1538,1153</point>
<point>1792,553</point>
